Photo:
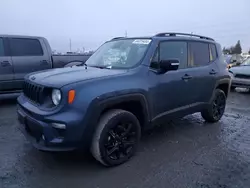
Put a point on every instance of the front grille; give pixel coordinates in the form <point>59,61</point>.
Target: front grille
<point>33,92</point>
<point>242,76</point>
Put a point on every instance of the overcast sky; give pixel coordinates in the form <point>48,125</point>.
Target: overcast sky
<point>91,22</point>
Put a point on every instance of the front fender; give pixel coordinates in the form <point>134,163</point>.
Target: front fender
<point>105,103</point>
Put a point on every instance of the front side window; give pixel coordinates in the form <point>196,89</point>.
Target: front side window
<point>124,53</point>
<point>199,54</point>
<point>171,50</point>
<point>25,47</point>
<point>1,47</point>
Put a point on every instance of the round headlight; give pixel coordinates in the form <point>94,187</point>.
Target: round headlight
<point>56,96</point>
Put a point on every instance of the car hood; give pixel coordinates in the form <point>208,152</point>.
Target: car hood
<point>64,76</point>
<point>240,70</point>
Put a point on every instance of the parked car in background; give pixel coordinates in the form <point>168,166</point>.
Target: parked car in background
<point>245,55</point>
<point>233,60</point>
<point>241,75</point>
<point>227,59</point>
<point>128,85</point>
<point>20,55</point>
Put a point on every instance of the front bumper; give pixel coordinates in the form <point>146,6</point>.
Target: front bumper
<point>37,126</point>
<point>239,82</point>
<point>41,134</point>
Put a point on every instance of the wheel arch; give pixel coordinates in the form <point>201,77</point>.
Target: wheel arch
<point>224,85</point>
<point>135,103</point>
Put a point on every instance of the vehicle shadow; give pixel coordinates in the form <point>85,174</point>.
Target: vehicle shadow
<point>163,144</point>
<point>167,133</point>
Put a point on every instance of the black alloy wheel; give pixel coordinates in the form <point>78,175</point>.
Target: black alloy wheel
<point>120,141</point>
<point>216,108</point>
<point>219,105</point>
<point>116,138</point>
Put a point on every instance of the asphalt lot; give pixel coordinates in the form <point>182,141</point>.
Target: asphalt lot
<point>184,153</point>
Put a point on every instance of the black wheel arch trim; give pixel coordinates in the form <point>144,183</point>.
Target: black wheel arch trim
<point>222,81</point>
<point>115,100</point>
<point>99,104</point>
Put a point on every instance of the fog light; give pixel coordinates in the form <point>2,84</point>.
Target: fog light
<point>58,125</point>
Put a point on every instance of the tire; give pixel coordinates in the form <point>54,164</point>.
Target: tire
<point>110,145</point>
<point>216,109</point>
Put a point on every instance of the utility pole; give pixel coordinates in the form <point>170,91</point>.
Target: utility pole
<point>70,45</point>
<point>126,34</point>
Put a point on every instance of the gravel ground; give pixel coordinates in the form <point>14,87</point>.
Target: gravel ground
<point>184,153</point>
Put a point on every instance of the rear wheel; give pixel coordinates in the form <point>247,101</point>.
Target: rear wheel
<point>116,138</point>
<point>216,109</point>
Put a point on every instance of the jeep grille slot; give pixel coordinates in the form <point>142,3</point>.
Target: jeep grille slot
<point>33,92</point>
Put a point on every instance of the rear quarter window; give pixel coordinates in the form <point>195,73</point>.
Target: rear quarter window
<point>213,52</point>
<point>198,54</point>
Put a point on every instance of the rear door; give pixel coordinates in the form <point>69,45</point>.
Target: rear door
<point>6,68</point>
<point>202,70</point>
<point>27,56</point>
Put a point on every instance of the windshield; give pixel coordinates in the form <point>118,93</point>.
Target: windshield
<point>124,53</point>
<point>246,62</point>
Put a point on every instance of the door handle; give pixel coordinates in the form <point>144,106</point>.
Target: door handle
<point>186,77</point>
<point>5,64</point>
<point>212,72</point>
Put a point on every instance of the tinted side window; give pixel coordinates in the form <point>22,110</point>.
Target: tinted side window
<point>1,47</point>
<point>213,52</point>
<point>199,54</point>
<point>25,47</point>
<point>174,50</point>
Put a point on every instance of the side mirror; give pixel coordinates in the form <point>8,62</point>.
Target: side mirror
<point>169,64</point>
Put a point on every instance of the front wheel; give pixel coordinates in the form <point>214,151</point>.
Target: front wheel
<point>116,137</point>
<point>216,109</point>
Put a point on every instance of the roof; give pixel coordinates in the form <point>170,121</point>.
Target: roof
<point>173,35</point>
<point>18,36</point>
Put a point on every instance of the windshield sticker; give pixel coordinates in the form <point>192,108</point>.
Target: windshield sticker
<point>141,41</point>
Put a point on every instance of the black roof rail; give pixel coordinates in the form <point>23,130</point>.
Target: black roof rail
<point>183,34</point>
<point>117,38</point>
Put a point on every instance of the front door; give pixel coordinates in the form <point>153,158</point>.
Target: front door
<point>6,68</point>
<point>171,91</point>
<point>27,56</point>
